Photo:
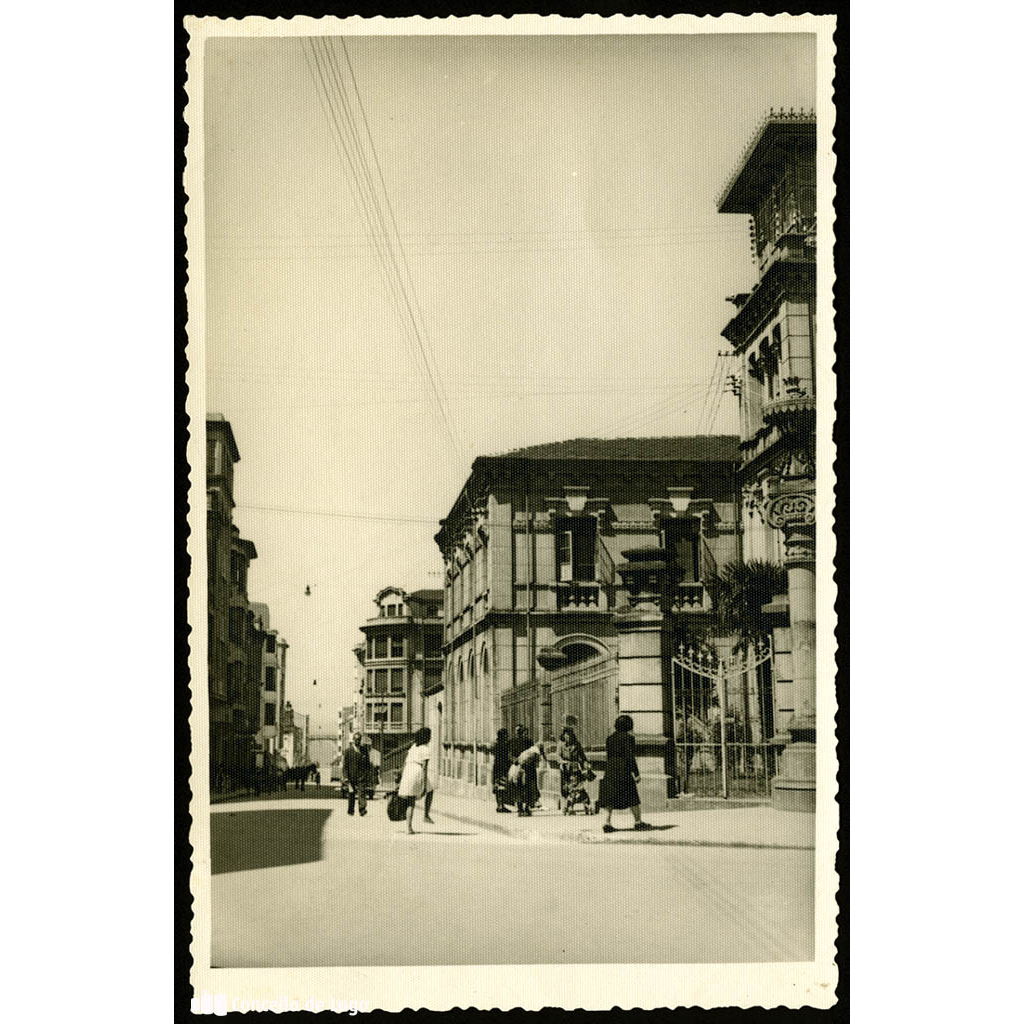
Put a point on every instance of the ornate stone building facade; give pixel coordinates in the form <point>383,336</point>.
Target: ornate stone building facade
<point>773,335</point>
<point>541,622</point>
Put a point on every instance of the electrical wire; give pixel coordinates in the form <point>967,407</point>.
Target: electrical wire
<point>336,515</point>
<point>327,79</point>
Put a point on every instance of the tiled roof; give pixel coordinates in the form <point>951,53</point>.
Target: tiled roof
<point>701,448</point>
<point>427,596</point>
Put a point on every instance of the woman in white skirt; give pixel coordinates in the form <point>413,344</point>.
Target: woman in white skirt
<point>415,781</point>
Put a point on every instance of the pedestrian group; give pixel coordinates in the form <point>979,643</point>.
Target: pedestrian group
<point>515,774</point>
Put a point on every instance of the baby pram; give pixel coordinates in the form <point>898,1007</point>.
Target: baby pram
<point>574,790</point>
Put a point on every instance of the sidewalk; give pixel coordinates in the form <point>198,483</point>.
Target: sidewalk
<point>758,827</point>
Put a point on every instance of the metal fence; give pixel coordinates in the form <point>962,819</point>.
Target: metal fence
<point>750,768</point>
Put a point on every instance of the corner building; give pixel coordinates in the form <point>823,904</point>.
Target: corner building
<point>773,335</point>
<point>540,621</point>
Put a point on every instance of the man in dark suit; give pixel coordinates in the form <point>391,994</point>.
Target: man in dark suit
<point>356,773</point>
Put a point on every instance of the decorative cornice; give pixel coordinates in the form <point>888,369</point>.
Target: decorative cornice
<point>773,116</point>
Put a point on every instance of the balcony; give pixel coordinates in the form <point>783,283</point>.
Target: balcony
<point>690,599</point>
<point>580,597</point>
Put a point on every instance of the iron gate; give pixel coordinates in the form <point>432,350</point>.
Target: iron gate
<point>724,718</point>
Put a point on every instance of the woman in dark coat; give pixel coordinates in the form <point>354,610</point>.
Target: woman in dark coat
<point>502,763</point>
<point>618,786</point>
<point>520,742</point>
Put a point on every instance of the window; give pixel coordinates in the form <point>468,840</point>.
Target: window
<point>235,674</point>
<point>397,715</point>
<point>236,624</point>
<point>271,643</point>
<point>270,714</point>
<point>575,544</point>
<point>398,647</point>
<point>238,568</point>
<point>269,678</point>
<point>380,646</point>
<point>214,457</point>
<point>681,538</point>
<point>380,680</point>
<point>397,680</point>
<point>432,644</point>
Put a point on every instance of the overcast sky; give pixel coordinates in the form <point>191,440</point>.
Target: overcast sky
<point>558,264</point>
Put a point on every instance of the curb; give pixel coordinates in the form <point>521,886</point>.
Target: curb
<point>601,840</point>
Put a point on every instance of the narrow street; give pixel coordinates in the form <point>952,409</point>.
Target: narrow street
<point>301,884</point>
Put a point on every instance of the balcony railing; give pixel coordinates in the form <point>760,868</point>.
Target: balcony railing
<point>580,597</point>
<point>691,598</point>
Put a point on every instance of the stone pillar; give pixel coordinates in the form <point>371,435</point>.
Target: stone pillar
<point>642,690</point>
<point>793,513</point>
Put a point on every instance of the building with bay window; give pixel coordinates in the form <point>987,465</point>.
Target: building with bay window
<point>773,336</point>
<point>400,665</point>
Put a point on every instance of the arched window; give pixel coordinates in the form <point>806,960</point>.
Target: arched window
<point>486,709</point>
<point>460,726</point>
<point>472,676</point>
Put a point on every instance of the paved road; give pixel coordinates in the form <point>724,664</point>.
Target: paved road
<point>302,884</point>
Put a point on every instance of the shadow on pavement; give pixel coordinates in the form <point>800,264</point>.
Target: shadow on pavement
<point>653,828</point>
<point>311,792</point>
<point>243,840</point>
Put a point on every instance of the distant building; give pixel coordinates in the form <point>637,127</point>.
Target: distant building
<point>346,725</point>
<point>273,664</point>
<point>226,699</point>
<point>245,658</point>
<point>294,729</point>
<point>400,666</point>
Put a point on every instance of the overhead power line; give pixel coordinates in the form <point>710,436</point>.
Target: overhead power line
<point>372,200</point>
<point>335,515</point>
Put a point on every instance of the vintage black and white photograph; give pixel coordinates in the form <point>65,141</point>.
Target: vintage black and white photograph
<point>514,344</point>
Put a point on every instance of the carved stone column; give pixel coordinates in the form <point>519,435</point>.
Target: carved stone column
<point>792,511</point>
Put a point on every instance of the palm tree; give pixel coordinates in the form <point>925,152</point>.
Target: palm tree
<point>739,590</point>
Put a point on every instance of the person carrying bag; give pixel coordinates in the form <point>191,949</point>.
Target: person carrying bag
<point>416,780</point>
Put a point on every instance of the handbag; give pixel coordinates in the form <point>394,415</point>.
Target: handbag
<point>396,807</point>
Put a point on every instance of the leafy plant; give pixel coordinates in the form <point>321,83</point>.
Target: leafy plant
<point>739,590</point>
